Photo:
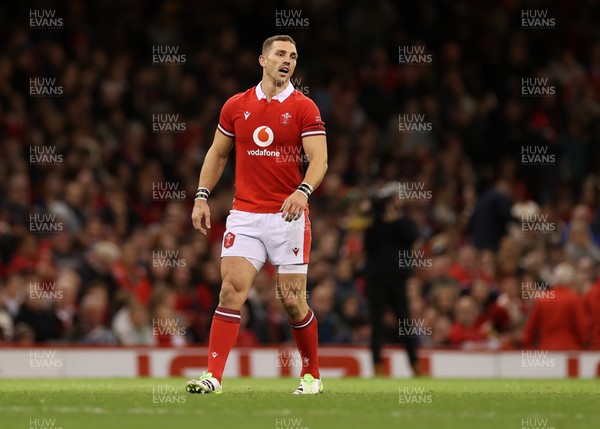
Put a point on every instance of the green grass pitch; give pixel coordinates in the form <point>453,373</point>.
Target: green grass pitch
<point>268,403</point>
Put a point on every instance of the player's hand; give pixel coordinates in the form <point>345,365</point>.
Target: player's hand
<point>199,213</point>
<point>293,206</point>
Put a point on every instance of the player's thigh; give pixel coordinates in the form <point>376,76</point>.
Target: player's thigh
<point>237,272</point>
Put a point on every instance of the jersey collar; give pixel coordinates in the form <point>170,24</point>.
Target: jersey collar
<point>279,97</point>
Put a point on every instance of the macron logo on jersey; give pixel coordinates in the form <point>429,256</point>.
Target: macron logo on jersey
<point>263,136</point>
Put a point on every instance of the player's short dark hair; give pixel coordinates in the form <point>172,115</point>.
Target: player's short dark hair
<point>279,38</point>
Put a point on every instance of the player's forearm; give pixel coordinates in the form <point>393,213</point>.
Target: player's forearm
<point>212,169</point>
<point>316,171</point>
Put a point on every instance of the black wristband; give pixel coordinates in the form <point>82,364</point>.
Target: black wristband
<point>305,188</point>
<point>202,193</point>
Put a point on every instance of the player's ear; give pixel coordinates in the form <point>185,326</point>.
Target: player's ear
<point>262,60</point>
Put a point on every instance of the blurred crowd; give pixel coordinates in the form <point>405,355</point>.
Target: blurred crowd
<point>90,253</point>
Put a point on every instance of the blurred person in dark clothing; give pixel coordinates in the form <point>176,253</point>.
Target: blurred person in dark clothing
<point>97,267</point>
<point>90,327</point>
<point>118,213</point>
<point>37,314</point>
<point>390,233</point>
<point>15,200</point>
<point>360,328</point>
<point>488,223</point>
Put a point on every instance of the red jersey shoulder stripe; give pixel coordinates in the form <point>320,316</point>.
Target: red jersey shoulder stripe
<point>224,131</point>
<point>313,133</point>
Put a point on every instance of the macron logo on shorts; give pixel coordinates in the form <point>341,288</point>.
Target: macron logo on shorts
<point>228,240</point>
<point>295,250</point>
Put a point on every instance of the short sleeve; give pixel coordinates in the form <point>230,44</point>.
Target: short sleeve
<point>312,124</point>
<point>226,118</point>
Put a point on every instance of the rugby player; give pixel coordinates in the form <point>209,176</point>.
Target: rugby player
<point>269,218</point>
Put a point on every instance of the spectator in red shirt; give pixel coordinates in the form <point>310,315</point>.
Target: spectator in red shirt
<point>131,276</point>
<point>557,320</point>
<point>507,314</point>
<point>27,255</point>
<point>592,308</point>
<point>468,329</point>
<point>466,268</point>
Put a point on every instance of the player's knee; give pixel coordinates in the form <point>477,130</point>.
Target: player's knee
<point>289,302</point>
<point>293,304</point>
<point>229,296</point>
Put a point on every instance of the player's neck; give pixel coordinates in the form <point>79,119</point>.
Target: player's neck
<point>270,89</point>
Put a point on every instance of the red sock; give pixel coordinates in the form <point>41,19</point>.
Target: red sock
<point>306,335</point>
<point>223,332</point>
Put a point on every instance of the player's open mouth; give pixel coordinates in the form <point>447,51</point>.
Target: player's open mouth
<point>284,70</point>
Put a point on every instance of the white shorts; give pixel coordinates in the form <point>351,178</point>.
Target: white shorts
<point>260,236</point>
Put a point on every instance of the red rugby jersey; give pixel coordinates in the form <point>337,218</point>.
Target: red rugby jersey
<point>268,145</point>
